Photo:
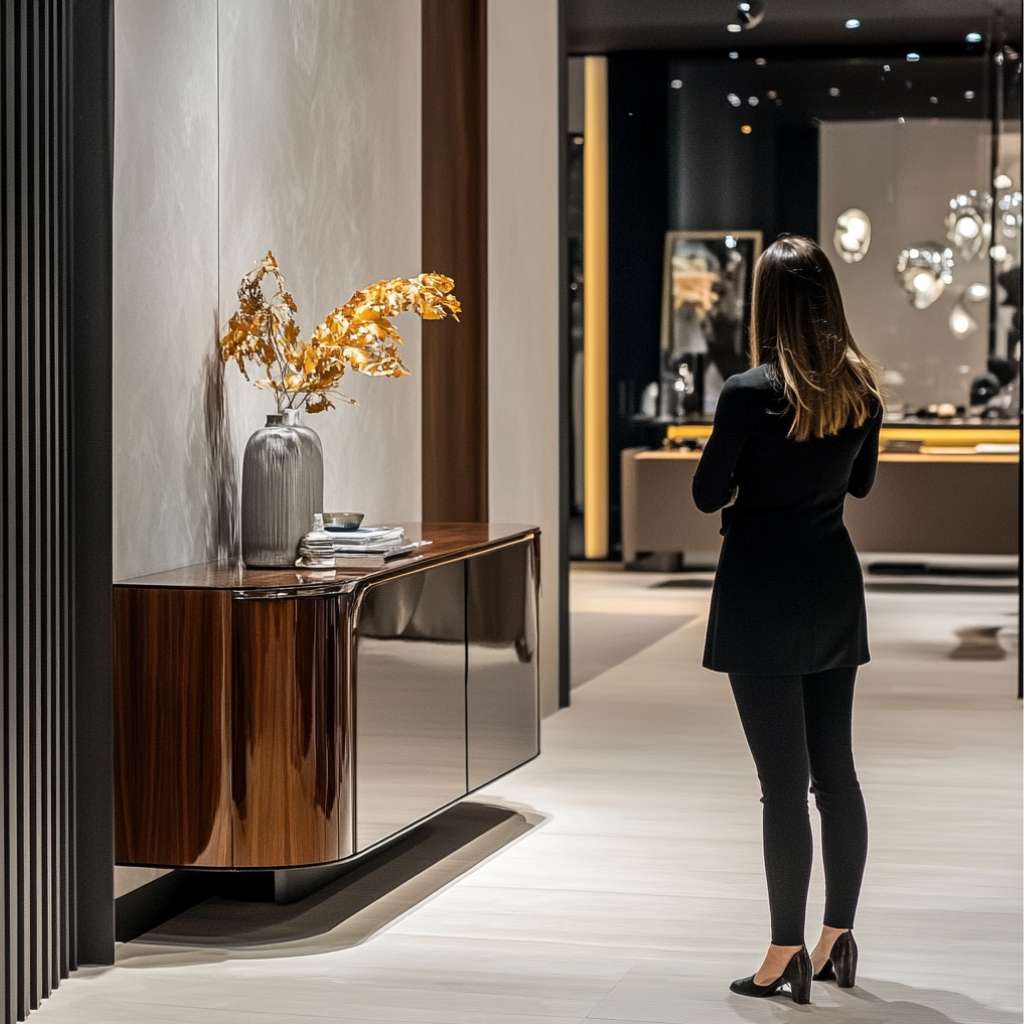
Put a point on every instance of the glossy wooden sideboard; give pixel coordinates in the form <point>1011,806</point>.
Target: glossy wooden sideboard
<point>273,719</point>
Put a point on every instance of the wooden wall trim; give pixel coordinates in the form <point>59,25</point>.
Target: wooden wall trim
<point>454,175</point>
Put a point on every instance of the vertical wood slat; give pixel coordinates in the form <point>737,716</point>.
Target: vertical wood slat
<point>454,224</point>
<point>36,942</point>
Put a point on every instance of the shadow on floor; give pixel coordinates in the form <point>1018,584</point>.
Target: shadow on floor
<point>602,640</point>
<point>347,911</point>
<point>901,1004</point>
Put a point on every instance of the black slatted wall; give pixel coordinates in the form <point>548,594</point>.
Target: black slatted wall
<point>36,738</point>
<point>39,928</point>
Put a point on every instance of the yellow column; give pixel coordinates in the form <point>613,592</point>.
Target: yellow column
<point>595,308</point>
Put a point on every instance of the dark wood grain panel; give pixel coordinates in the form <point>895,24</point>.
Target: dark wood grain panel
<point>454,359</point>
<point>290,765</point>
<point>171,681</point>
<point>449,540</point>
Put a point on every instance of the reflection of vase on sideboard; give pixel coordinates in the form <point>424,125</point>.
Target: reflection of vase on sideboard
<point>282,487</point>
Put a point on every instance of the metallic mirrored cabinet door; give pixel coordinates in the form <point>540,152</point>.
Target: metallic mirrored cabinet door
<point>410,665</point>
<point>502,671</point>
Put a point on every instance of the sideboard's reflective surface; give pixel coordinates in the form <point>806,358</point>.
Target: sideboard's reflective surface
<point>277,726</point>
<point>501,687</point>
<point>410,664</point>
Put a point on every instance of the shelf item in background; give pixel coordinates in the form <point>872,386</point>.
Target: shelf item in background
<point>902,445</point>
<point>997,449</point>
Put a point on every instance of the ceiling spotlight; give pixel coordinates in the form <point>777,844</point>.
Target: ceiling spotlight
<point>933,99</point>
<point>968,95</point>
<point>676,83</point>
<point>852,235</point>
<point>913,57</point>
<point>923,271</point>
<point>834,91</point>
<point>967,225</point>
<point>734,55</point>
<point>976,292</point>
<point>972,37</point>
<point>750,13</point>
<point>998,253</point>
<point>887,68</point>
<point>853,22</point>
<point>734,100</point>
<point>1002,180</point>
<point>772,94</point>
<point>753,101</point>
<point>733,27</point>
<point>745,129</point>
<point>760,62</point>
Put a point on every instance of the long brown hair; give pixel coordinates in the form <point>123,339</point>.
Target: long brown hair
<point>799,329</point>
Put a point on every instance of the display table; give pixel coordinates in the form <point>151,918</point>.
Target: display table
<point>946,499</point>
<point>277,718</point>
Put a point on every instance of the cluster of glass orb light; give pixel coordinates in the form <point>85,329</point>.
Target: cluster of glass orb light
<point>924,269</point>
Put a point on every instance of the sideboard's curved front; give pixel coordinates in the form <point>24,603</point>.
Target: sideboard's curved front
<point>291,763</point>
<point>265,728</point>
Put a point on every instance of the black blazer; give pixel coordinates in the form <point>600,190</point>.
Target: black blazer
<point>788,596</point>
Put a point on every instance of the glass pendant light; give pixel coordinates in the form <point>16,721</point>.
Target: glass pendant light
<point>923,271</point>
<point>967,224</point>
<point>852,235</point>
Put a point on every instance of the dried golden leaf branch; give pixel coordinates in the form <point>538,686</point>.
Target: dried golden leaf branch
<point>356,336</point>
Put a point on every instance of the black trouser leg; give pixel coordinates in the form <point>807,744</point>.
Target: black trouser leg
<point>828,711</point>
<point>772,712</point>
<point>798,727</point>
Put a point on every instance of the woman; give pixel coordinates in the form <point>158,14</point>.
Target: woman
<point>792,437</point>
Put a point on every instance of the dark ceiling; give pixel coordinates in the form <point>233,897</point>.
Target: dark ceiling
<point>600,26</point>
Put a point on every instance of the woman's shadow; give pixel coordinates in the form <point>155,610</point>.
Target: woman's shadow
<point>878,1002</point>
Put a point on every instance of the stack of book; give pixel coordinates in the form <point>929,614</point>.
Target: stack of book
<point>371,547</point>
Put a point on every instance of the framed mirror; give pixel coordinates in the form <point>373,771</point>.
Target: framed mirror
<point>705,316</point>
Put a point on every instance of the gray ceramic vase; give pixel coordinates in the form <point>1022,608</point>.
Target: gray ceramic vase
<point>282,486</point>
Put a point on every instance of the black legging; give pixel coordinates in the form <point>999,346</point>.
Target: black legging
<point>799,726</point>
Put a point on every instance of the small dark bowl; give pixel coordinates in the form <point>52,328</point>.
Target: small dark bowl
<point>343,520</point>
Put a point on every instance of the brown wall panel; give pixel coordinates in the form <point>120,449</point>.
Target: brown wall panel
<point>454,374</point>
<point>171,698</point>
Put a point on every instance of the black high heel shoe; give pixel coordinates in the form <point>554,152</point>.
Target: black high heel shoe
<point>797,975</point>
<point>841,964</point>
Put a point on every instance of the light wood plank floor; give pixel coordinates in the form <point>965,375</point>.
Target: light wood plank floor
<point>618,877</point>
